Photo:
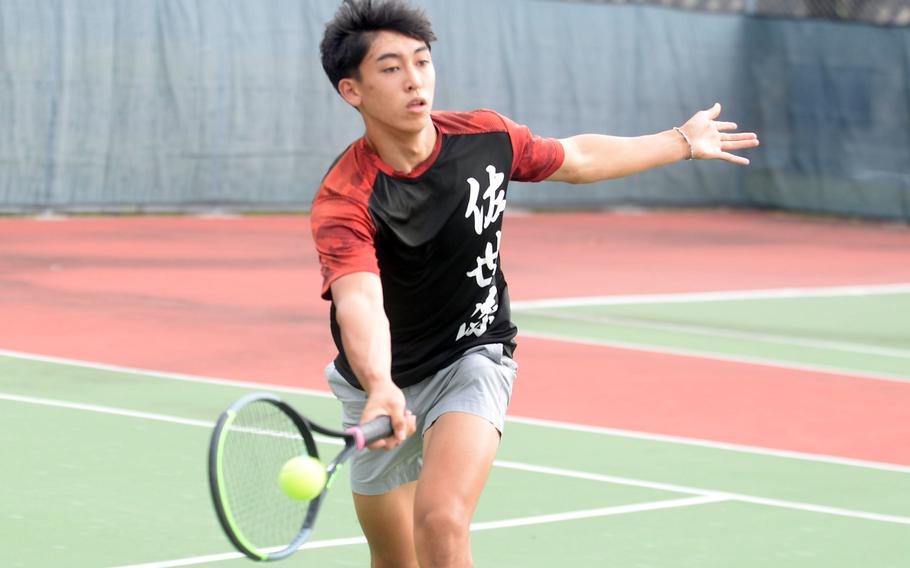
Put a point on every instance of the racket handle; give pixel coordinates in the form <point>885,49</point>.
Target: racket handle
<point>375,429</point>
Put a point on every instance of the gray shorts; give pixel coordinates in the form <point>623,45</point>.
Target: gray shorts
<point>478,383</point>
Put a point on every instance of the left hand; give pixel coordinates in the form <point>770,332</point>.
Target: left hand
<point>711,141</point>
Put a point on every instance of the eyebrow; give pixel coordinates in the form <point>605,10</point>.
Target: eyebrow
<point>392,55</point>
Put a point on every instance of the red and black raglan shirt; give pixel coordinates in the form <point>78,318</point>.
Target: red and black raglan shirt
<point>433,236</point>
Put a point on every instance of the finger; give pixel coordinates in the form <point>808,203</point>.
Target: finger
<point>392,442</point>
<point>408,422</point>
<point>714,111</point>
<point>400,424</point>
<point>739,136</point>
<point>385,444</point>
<point>733,159</point>
<point>726,125</point>
<point>412,423</point>
<point>738,144</point>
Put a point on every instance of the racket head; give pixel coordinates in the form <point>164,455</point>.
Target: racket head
<point>251,442</point>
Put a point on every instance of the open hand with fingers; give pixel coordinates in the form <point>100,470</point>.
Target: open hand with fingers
<point>711,139</point>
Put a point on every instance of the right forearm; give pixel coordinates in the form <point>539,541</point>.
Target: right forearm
<point>367,344</point>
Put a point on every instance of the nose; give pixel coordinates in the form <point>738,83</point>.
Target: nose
<point>414,79</point>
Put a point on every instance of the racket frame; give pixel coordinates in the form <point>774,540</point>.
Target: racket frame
<point>354,439</point>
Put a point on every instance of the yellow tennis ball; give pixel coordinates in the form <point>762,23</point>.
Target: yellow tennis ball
<point>302,478</point>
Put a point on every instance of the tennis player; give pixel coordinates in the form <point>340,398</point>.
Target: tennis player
<point>408,227</point>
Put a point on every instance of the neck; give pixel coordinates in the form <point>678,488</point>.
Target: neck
<point>403,151</point>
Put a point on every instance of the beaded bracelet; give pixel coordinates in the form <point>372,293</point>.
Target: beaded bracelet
<point>689,142</point>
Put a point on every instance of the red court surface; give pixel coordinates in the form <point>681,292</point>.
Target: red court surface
<point>714,400</point>
<point>238,298</point>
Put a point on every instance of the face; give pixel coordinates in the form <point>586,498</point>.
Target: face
<point>396,85</point>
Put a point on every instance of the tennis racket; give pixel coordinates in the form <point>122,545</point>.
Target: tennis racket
<point>252,440</point>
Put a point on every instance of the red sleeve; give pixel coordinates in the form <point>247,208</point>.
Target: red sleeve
<point>534,158</point>
<point>343,229</point>
<point>343,232</point>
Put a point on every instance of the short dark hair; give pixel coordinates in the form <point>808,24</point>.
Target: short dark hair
<point>349,35</point>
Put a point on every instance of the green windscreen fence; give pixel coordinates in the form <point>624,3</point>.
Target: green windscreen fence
<point>113,105</point>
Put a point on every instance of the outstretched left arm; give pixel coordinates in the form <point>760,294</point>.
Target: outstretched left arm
<point>594,157</point>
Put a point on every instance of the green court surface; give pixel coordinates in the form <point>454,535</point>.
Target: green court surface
<point>106,467</point>
<point>861,333</point>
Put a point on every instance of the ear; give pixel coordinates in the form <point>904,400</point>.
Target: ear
<point>350,92</point>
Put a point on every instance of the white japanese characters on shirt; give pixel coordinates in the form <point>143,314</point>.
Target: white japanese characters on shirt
<point>484,210</point>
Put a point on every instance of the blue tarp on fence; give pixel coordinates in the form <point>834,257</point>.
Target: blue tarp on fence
<point>176,104</point>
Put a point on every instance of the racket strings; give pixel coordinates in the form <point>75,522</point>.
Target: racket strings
<point>258,443</point>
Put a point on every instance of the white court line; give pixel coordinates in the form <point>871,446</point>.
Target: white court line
<point>161,374</point>
<point>715,356</point>
<point>98,409</point>
<point>529,306</point>
<point>725,333</point>
<point>721,495</point>
<point>719,296</point>
<point>724,446</point>
<point>702,496</point>
<point>517,419</point>
<point>559,472</point>
<point>475,527</point>
<point>598,513</point>
<point>331,543</point>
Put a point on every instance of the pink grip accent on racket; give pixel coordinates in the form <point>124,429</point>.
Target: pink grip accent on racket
<point>358,436</point>
<point>375,429</point>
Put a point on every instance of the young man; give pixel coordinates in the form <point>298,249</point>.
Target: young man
<point>408,227</point>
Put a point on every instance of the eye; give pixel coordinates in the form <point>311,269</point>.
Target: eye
<point>390,69</point>
<point>423,62</point>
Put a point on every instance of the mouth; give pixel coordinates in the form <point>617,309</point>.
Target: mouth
<point>417,104</point>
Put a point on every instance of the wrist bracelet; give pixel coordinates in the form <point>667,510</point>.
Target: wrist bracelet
<point>689,142</point>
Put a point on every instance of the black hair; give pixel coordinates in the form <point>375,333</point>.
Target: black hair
<point>349,35</point>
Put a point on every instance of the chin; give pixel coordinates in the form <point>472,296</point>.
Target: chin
<point>409,123</point>
<point>414,124</point>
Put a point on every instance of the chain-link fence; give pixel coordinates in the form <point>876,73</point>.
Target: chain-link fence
<point>880,12</point>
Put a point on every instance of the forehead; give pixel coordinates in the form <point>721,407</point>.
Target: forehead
<point>386,42</point>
